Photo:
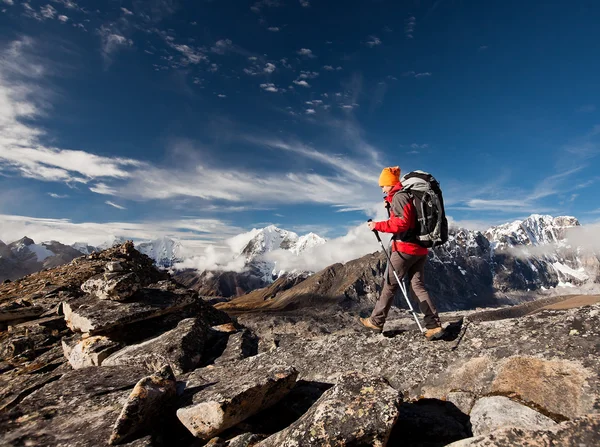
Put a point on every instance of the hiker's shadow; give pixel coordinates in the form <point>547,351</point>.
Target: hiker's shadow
<point>393,332</point>
<point>452,330</point>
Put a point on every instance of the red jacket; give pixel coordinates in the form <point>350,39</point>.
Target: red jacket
<point>400,224</point>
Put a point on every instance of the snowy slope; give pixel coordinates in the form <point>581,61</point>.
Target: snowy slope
<point>27,249</point>
<point>165,251</point>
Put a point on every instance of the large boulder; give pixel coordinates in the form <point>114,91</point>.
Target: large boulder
<point>359,410</point>
<point>496,412</point>
<point>558,387</point>
<point>581,432</point>
<point>181,347</point>
<point>225,396</point>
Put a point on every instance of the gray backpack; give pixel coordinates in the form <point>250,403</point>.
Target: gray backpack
<point>432,226</point>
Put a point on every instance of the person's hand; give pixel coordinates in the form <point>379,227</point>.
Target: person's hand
<point>371,225</point>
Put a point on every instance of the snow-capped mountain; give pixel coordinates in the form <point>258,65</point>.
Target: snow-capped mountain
<point>534,231</point>
<point>24,256</point>
<point>165,251</point>
<point>268,240</point>
<point>530,255</point>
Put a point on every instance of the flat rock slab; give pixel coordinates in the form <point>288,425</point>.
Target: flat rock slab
<point>78,410</point>
<point>180,347</point>
<point>495,412</point>
<point>8,313</point>
<point>359,410</point>
<point>95,316</point>
<point>228,395</point>
<point>580,432</point>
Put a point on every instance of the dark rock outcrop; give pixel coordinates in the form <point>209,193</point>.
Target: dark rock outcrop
<point>77,410</point>
<point>181,348</point>
<point>150,399</point>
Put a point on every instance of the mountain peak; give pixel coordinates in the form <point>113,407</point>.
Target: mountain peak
<point>24,241</point>
<point>537,229</point>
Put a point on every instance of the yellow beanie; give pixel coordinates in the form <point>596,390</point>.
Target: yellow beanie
<point>389,176</point>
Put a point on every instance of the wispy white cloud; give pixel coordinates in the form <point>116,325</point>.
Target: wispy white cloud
<point>57,196</point>
<point>302,83</point>
<point>207,231</point>
<point>8,2</point>
<point>273,29</point>
<point>373,41</point>
<point>306,52</point>
<point>48,12</point>
<point>22,99</point>
<point>409,27</point>
<point>308,75</point>
<point>70,4</point>
<point>258,6</point>
<point>126,11</point>
<point>63,19</point>
<point>270,88</point>
<point>222,46</point>
<point>269,68</point>
<point>310,111</point>
<point>112,40</point>
<point>417,75</point>
<point>102,188</point>
<point>108,202</point>
<point>305,3</point>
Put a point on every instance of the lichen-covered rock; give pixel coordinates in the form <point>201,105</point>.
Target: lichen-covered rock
<point>463,400</point>
<point>94,316</point>
<point>359,410</point>
<point>180,347</point>
<point>495,412</point>
<point>474,375</point>
<point>89,351</point>
<point>229,395</point>
<point>558,387</point>
<point>581,432</point>
<point>113,286</point>
<point>113,266</point>
<point>78,410</point>
<point>150,397</point>
<point>239,346</point>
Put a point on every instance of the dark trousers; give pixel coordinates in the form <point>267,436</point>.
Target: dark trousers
<point>412,267</point>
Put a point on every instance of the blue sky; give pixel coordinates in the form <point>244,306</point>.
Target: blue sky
<point>204,119</point>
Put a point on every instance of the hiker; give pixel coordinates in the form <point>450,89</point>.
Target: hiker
<point>407,257</point>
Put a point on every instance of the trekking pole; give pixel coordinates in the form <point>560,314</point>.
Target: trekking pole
<point>400,283</point>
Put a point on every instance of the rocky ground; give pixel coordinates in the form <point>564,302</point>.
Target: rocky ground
<point>109,350</point>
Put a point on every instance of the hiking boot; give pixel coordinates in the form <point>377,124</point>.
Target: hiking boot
<point>434,334</point>
<point>368,323</point>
